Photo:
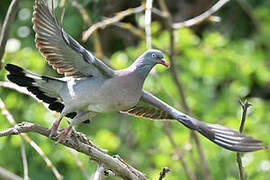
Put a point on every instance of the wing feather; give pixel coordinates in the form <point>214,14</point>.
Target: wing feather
<point>149,111</point>
<point>61,51</point>
<point>153,108</point>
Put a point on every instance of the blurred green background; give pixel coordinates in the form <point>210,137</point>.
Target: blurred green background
<point>217,63</point>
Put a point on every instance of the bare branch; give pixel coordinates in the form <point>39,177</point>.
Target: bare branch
<point>109,21</point>
<point>159,12</point>
<point>202,17</point>
<point>163,173</point>
<point>179,152</point>
<point>131,28</point>
<point>119,167</point>
<point>24,159</point>
<point>245,107</point>
<point>248,9</point>
<point>5,174</point>
<point>6,27</point>
<point>99,172</point>
<point>88,21</point>
<point>174,75</point>
<point>62,3</point>
<point>83,12</point>
<point>206,172</point>
<point>148,13</point>
<point>205,169</point>
<point>79,163</point>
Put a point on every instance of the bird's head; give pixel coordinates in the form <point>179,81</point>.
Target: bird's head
<point>154,57</point>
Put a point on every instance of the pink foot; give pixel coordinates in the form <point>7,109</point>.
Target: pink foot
<point>62,136</point>
<point>54,128</point>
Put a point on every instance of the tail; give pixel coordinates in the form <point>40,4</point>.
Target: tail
<point>223,136</point>
<point>43,87</point>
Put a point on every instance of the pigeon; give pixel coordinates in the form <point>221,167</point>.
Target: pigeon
<point>90,87</point>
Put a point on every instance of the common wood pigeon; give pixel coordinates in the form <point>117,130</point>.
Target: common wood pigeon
<point>90,87</point>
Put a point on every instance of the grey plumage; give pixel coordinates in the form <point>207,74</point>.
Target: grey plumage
<point>91,87</point>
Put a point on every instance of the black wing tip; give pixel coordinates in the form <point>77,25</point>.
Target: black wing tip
<point>13,69</point>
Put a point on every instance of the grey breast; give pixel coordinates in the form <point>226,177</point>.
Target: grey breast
<point>103,95</point>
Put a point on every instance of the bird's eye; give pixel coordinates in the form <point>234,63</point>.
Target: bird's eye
<point>154,55</point>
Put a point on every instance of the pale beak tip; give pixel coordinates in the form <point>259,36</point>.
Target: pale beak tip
<point>164,62</point>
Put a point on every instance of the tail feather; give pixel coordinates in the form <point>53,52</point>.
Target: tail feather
<point>20,80</point>
<point>43,87</point>
<point>41,95</point>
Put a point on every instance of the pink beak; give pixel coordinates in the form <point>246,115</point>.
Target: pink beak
<point>164,62</point>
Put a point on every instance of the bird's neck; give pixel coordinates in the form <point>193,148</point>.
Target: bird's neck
<point>141,69</point>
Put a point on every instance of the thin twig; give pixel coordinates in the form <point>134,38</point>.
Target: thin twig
<point>6,174</point>
<point>165,10</point>
<point>79,163</point>
<point>118,166</point>
<point>159,12</point>
<point>163,173</point>
<point>62,3</point>
<point>11,120</point>
<point>179,152</point>
<point>206,172</point>
<point>131,28</point>
<point>205,169</point>
<point>165,90</point>
<point>6,27</point>
<point>99,172</point>
<point>148,13</point>
<point>202,17</point>
<point>108,21</point>
<point>245,107</point>
<point>248,9</point>
<point>87,19</point>
<point>167,130</point>
<point>148,20</point>
<point>24,159</point>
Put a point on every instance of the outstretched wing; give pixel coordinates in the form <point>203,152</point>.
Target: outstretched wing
<point>61,51</point>
<point>146,110</point>
<point>153,108</point>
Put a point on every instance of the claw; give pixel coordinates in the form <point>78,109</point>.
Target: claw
<point>54,129</point>
<point>62,136</point>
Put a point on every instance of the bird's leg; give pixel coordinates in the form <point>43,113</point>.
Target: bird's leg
<point>80,117</point>
<point>55,125</point>
<point>62,136</point>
